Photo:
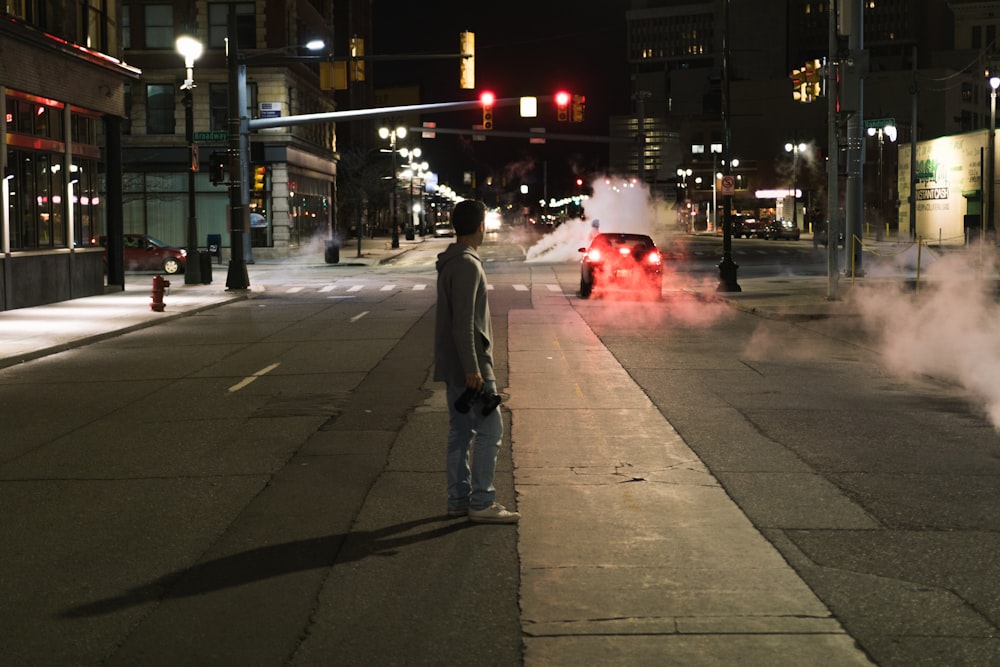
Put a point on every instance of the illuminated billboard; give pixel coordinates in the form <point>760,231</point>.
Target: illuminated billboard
<point>949,180</point>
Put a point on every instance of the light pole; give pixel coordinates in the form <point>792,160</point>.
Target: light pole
<point>392,135</point>
<point>683,174</point>
<point>889,131</point>
<point>994,84</point>
<point>795,149</point>
<point>190,48</point>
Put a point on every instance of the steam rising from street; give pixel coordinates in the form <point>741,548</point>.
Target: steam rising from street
<point>947,328</point>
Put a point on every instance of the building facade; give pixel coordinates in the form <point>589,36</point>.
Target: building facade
<point>292,188</point>
<point>62,89</point>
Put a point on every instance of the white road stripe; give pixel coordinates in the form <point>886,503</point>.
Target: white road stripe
<point>418,287</point>
<point>328,288</point>
<point>554,288</point>
<point>520,288</point>
<point>359,316</point>
<point>356,288</point>
<point>247,380</point>
<point>387,288</point>
<point>293,290</point>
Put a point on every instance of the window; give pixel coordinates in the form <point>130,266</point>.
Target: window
<point>218,102</point>
<point>218,22</point>
<point>126,28</point>
<point>127,123</point>
<point>159,27</point>
<point>160,109</point>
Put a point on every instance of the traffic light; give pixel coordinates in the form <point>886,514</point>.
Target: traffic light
<point>562,106</point>
<point>487,98</point>
<point>217,168</point>
<point>579,103</point>
<point>467,47</point>
<point>798,85</point>
<point>258,177</point>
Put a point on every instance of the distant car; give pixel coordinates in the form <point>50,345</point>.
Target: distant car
<point>443,229</point>
<point>621,261</point>
<point>782,229</point>
<point>747,226</point>
<point>819,233</point>
<point>145,253</point>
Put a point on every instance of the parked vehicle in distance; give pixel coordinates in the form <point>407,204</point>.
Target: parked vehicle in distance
<point>782,229</point>
<point>145,253</point>
<point>747,226</point>
<point>629,262</point>
<point>442,228</point>
<point>819,235</point>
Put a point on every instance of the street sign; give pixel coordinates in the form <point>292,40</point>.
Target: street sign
<point>214,135</point>
<point>879,123</point>
<point>728,185</point>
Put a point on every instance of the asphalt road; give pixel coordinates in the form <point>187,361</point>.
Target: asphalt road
<point>144,478</point>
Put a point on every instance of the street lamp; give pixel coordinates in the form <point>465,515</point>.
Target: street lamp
<point>795,149</point>
<point>392,135</point>
<point>889,131</point>
<point>994,84</point>
<point>190,48</point>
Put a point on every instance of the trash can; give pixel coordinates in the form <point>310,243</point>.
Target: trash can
<point>215,246</point>
<point>332,252</point>
<point>205,259</point>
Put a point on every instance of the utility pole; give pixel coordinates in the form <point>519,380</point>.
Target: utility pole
<point>833,161</point>
<point>727,267</point>
<point>855,139</point>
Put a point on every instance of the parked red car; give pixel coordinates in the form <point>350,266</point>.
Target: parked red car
<point>145,253</point>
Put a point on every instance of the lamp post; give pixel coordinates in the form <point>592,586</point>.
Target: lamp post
<point>889,131</point>
<point>190,48</point>
<point>994,84</point>
<point>683,174</point>
<point>392,135</point>
<point>795,149</point>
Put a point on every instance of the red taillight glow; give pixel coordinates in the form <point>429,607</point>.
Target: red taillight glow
<point>654,258</point>
<point>594,255</point>
<point>624,252</point>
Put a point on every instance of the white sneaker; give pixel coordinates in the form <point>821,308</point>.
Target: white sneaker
<point>495,513</point>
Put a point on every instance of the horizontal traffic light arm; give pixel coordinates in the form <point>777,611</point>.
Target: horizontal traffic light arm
<point>333,116</point>
<point>529,135</point>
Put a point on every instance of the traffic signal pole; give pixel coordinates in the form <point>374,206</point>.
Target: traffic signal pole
<point>237,277</point>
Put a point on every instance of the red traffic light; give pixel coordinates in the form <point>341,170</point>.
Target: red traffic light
<point>562,98</point>
<point>487,98</point>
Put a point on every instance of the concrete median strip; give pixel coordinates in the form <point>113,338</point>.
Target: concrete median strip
<point>628,544</point>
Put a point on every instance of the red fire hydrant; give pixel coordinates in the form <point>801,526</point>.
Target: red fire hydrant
<point>159,287</point>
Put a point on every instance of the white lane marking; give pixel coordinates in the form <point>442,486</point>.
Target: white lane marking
<point>328,288</point>
<point>489,287</point>
<point>387,288</point>
<point>293,290</point>
<point>419,287</point>
<point>247,380</point>
<point>358,316</point>
<point>554,288</point>
<point>356,288</point>
<point>520,288</point>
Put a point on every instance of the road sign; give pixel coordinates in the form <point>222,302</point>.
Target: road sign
<point>728,185</point>
<point>214,135</point>
<point>879,123</point>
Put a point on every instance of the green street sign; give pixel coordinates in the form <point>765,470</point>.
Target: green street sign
<point>214,135</point>
<point>879,123</point>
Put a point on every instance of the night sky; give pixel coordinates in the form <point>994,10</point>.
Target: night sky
<point>522,48</point>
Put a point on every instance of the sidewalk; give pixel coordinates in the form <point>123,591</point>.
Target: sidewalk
<point>31,333</point>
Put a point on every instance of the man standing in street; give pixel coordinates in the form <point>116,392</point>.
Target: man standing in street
<point>463,360</point>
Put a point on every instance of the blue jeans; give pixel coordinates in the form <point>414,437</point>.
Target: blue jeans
<point>473,445</point>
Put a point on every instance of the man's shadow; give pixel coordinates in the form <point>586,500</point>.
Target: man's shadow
<point>270,561</point>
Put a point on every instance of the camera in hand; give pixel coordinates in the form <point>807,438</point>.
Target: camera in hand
<point>489,401</point>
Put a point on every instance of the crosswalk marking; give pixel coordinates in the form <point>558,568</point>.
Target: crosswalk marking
<point>417,287</point>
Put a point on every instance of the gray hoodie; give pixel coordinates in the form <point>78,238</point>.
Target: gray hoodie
<point>463,333</point>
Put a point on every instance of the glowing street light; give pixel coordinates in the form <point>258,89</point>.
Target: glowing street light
<point>795,149</point>
<point>392,135</point>
<point>190,49</point>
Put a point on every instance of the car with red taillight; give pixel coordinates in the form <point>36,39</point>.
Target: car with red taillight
<point>621,262</point>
